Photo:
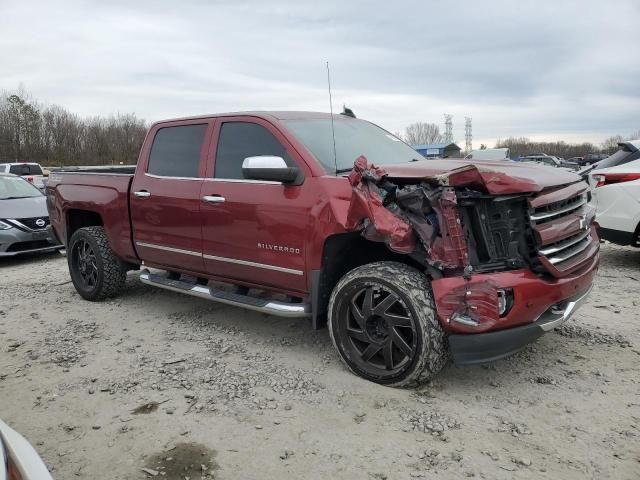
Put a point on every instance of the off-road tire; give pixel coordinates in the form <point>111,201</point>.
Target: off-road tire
<point>111,270</point>
<point>413,288</point>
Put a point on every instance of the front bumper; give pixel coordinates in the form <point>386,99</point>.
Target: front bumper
<point>16,242</point>
<point>491,346</point>
<point>532,295</point>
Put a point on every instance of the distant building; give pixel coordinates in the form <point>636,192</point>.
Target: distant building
<point>443,150</point>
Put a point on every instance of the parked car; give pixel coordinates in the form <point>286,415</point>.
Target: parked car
<point>616,194</point>
<point>18,459</point>
<point>408,260</point>
<point>31,172</point>
<point>489,154</point>
<point>551,161</point>
<point>23,218</point>
<point>591,158</point>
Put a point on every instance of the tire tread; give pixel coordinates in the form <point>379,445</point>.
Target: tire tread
<point>113,273</point>
<point>416,286</point>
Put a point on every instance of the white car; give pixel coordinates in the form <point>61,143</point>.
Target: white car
<point>616,194</point>
<point>18,459</point>
<point>31,172</point>
<point>489,154</point>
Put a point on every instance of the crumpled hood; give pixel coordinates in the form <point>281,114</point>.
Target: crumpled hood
<point>494,177</point>
<point>24,207</point>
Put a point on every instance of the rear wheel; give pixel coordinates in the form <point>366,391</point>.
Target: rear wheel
<point>96,271</point>
<point>383,324</point>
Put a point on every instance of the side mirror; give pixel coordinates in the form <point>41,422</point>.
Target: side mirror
<point>269,168</point>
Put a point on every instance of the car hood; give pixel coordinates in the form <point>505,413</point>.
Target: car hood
<point>493,177</point>
<point>24,207</point>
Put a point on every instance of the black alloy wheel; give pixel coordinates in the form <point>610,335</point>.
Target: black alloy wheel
<point>96,271</point>
<point>84,262</point>
<point>381,332</point>
<point>383,323</point>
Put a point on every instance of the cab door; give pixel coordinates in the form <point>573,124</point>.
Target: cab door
<point>253,231</point>
<point>165,196</point>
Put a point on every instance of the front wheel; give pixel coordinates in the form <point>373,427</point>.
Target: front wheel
<point>96,271</point>
<point>383,323</point>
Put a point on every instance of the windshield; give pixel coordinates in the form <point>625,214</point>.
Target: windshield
<point>353,138</point>
<point>26,169</point>
<point>16,187</point>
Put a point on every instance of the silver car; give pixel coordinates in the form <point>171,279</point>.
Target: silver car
<point>23,218</point>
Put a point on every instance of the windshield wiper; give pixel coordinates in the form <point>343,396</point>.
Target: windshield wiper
<point>344,170</point>
<point>13,198</point>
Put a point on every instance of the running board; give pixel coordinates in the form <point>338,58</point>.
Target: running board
<point>281,309</point>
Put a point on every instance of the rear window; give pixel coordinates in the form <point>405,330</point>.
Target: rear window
<point>621,157</point>
<point>25,169</point>
<point>176,151</point>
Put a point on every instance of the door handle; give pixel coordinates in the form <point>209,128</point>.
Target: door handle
<point>142,194</point>
<point>213,199</point>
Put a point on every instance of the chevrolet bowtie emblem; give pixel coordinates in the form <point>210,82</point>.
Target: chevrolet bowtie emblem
<point>583,222</point>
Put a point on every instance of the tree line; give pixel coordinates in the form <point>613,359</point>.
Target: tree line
<point>424,132</point>
<point>53,136</point>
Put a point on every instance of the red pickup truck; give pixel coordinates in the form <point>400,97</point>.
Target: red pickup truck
<point>410,261</point>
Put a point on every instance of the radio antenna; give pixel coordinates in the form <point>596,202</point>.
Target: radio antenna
<point>333,131</point>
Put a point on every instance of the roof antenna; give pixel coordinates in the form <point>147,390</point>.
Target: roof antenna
<point>333,131</point>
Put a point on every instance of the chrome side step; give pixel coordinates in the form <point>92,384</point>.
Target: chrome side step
<point>272,307</point>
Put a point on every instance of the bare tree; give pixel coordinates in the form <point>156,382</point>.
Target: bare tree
<point>422,132</point>
<point>523,146</point>
<point>52,135</point>
<point>610,145</point>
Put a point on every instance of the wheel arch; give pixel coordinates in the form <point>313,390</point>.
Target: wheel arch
<point>79,218</point>
<point>342,253</point>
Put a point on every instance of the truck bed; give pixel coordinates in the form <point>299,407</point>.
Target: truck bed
<point>116,169</point>
<point>99,190</point>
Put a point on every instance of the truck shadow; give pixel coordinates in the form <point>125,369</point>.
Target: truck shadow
<point>27,259</point>
<point>566,359</point>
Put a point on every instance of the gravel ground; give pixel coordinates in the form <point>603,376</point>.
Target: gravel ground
<point>158,384</point>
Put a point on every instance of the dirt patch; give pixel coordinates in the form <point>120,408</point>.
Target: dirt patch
<point>184,460</point>
<point>272,398</point>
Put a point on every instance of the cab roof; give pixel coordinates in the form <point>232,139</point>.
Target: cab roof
<point>267,114</point>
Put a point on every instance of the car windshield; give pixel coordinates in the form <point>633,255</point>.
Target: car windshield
<point>25,169</point>
<point>16,187</point>
<point>353,138</point>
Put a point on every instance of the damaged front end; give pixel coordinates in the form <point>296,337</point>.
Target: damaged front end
<point>452,227</point>
<point>407,217</point>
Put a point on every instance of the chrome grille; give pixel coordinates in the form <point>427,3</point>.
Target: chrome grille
<point>561,251</point>
<point>558,209</point>
<point>564,234</point>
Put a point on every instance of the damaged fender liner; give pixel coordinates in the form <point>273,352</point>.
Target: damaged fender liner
<point>403,216</point>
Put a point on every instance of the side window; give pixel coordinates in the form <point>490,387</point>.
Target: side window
<point>239,140</point>
<point>176,151</point>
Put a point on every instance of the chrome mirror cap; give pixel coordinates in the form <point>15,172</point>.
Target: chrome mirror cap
<point>271,169</point>
<point>264,161</point>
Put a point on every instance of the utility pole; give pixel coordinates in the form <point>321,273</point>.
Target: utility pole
<point>448,128</point>
<point>468,138</point>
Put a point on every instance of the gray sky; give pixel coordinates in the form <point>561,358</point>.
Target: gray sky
<point>547,69</point>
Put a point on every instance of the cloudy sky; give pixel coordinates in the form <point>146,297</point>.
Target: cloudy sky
<point>543,69</point>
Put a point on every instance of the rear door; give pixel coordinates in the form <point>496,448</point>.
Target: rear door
<point>165,196</point>
<point>253,231</point>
